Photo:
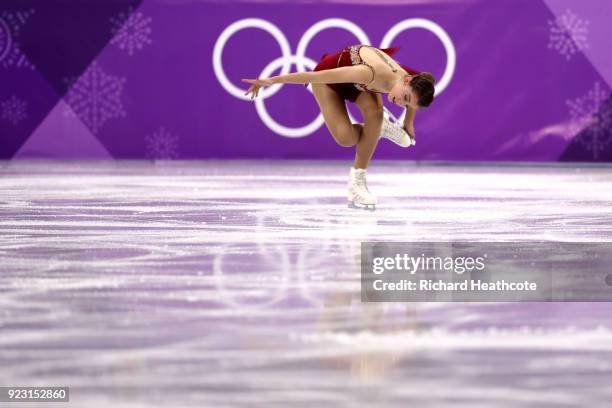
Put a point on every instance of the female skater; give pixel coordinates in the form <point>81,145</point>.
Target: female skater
<point>360,74</point>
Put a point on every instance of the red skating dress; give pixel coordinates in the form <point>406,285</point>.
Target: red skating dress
<point>347,57</point>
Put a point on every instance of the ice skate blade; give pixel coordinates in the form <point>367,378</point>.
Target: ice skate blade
<point>367,207</point>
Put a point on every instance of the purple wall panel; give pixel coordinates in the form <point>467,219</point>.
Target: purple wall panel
<point>135,79</point>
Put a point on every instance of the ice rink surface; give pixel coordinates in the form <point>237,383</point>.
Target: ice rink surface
<point>236,284</point>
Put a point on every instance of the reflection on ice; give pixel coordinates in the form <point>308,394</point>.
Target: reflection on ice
<point>237,284</point>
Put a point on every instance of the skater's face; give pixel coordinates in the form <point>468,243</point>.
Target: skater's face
<point>403,95</point>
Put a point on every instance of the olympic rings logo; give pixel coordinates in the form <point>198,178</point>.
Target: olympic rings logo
<point>286,60</point>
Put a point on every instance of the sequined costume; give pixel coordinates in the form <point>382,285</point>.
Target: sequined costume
<point>350,56</point>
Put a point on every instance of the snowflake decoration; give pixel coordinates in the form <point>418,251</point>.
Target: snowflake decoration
<point>595,110</point>
<point>95,97</point>
<point>14,110</point>
<point>131,31</point>
<point>162,145</point>
<point>568,34</point>
<point>10,31</point>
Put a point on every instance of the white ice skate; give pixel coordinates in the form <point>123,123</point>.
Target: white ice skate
<point>358,194</point>
<point>394,132</point>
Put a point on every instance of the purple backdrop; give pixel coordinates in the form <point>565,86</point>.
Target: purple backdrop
<point>525,79</point>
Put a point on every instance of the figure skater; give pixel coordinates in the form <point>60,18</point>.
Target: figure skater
<point>360,74</point>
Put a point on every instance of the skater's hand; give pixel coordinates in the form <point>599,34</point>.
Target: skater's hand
<point>255,85</point>
<point>410,130</point>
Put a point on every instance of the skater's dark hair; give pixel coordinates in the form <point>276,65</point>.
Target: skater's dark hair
<point>423,85</point>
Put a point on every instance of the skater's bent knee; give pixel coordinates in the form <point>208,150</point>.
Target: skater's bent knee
<point>345,139</point>
<point>344,136</point>
<point>345,142</point>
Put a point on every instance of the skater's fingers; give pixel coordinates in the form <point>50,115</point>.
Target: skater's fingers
<point>410,133</point>
<point>253,91</point>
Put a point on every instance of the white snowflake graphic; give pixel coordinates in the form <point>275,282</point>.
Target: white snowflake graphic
<point>131,31</point>
<point>10,31</point>
<point>595,111</point>
<point>162,145</point>
<point>95,97</point>
<point>568,34</point>
<point>14,110</point>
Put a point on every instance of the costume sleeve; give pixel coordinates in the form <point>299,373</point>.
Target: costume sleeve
<point>411,71</point>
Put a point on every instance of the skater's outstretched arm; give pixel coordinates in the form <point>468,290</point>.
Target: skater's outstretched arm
<point>356,74</point>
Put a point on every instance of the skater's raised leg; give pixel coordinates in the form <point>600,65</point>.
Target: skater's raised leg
<point>336,116</point>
